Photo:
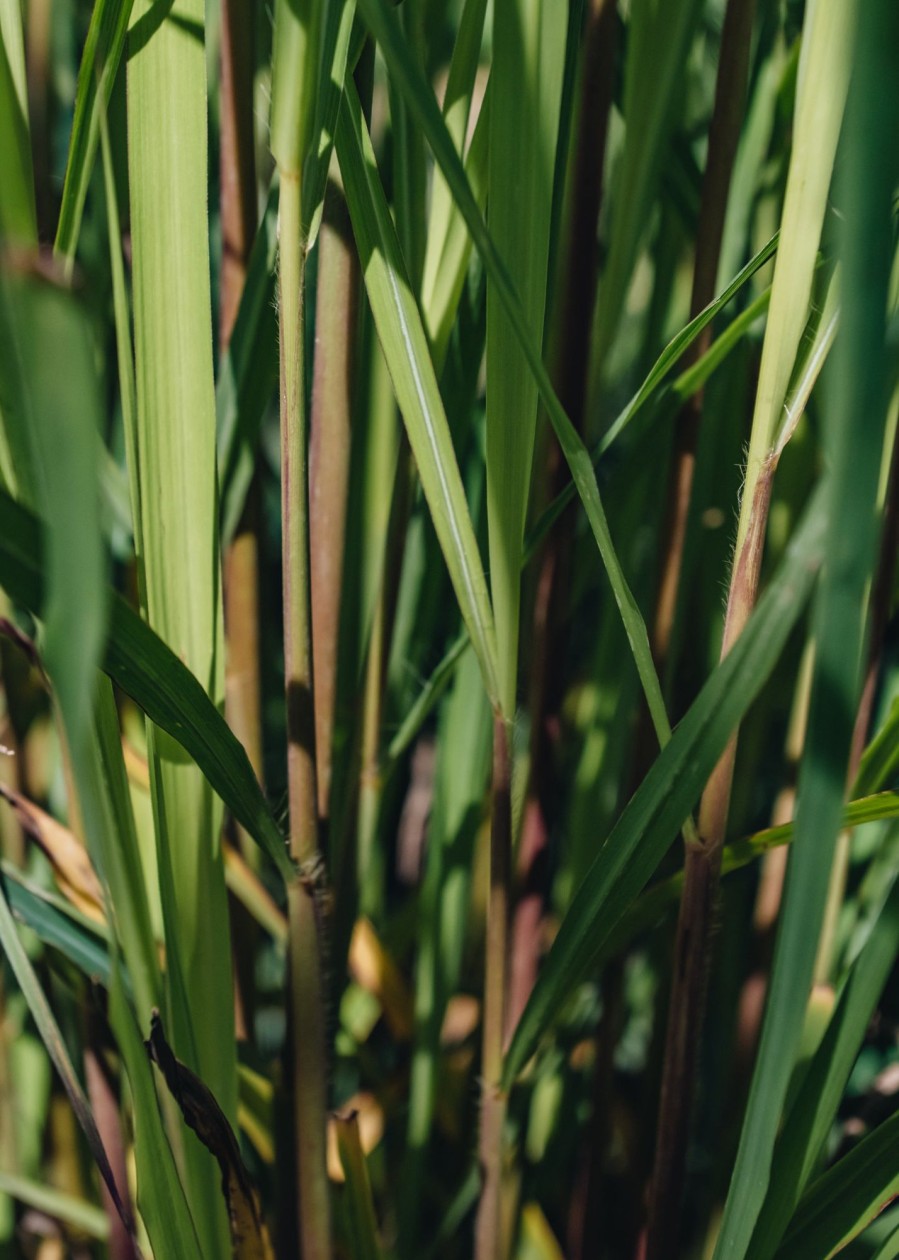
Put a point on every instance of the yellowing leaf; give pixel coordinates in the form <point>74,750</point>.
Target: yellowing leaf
<point>71,864</point>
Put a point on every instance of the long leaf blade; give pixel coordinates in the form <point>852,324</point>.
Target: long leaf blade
<point>846,1198</point>
<point>406,352</point>
<point>137,660</point>
<point>96,74</point>
<point>56,1048</point>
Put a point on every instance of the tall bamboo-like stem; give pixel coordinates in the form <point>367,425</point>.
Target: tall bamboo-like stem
<point>237,161</point>
<point>526,87</point>
<point>295,63</point>
<point>490,1240</point>
<point>306,986</point>
<point>369,862</point>
<point>329,460</point>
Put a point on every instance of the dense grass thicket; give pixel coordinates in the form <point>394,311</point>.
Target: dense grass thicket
<point>449,657</point>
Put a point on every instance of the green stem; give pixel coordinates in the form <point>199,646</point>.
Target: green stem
<point>490,1240</point>
<point>329,460</point>
<point>295,532</point>
<point>724,135</point>
<point>308,1070</point>
<point>370,861</point>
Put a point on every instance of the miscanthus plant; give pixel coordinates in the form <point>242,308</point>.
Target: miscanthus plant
<point>449,707</point>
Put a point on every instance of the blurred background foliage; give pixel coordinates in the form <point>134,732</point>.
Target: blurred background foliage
<point>634,159</point>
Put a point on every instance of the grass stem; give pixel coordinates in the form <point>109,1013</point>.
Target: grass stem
<point>307,1041</point>
<point>692,949</point>
<point>724,135</point>
<point>329,461</point>
<point>490,1242</point>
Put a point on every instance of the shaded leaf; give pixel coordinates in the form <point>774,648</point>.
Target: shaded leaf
<point>658,808</point>
<point>847,1197</point>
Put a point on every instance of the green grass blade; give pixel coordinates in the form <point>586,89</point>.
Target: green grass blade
<point>335,43</point>
<point>847,1197</point>
<point>248,372</point>
<point>83,1216</point>
<point>457,102</point>
<point>359,1215</point>
<point>660,371</point>
<point>680,342</point>
<point>406,353</point>
<point>651,906</point>
<point>446,234</point>
<point>644,831</point>
<point>815,1107</point>
<point>18,219</point>
<point>60,413</point>
<point>659,35</point>
<point>138,661</point>
<point>55,923</point>
<point>56,1047</point>
<point>824,68</point>
<point>112,840</point>
<point>160,1194</point>
<point>96,74</point>
<point>440,295</point>
<point>881,758</point>
<point>526,89</point>
<point>384,27</point>
<point>124,348</point>
<point>854,450</point>
<point>889,1249</point>
<point>424,704</point>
